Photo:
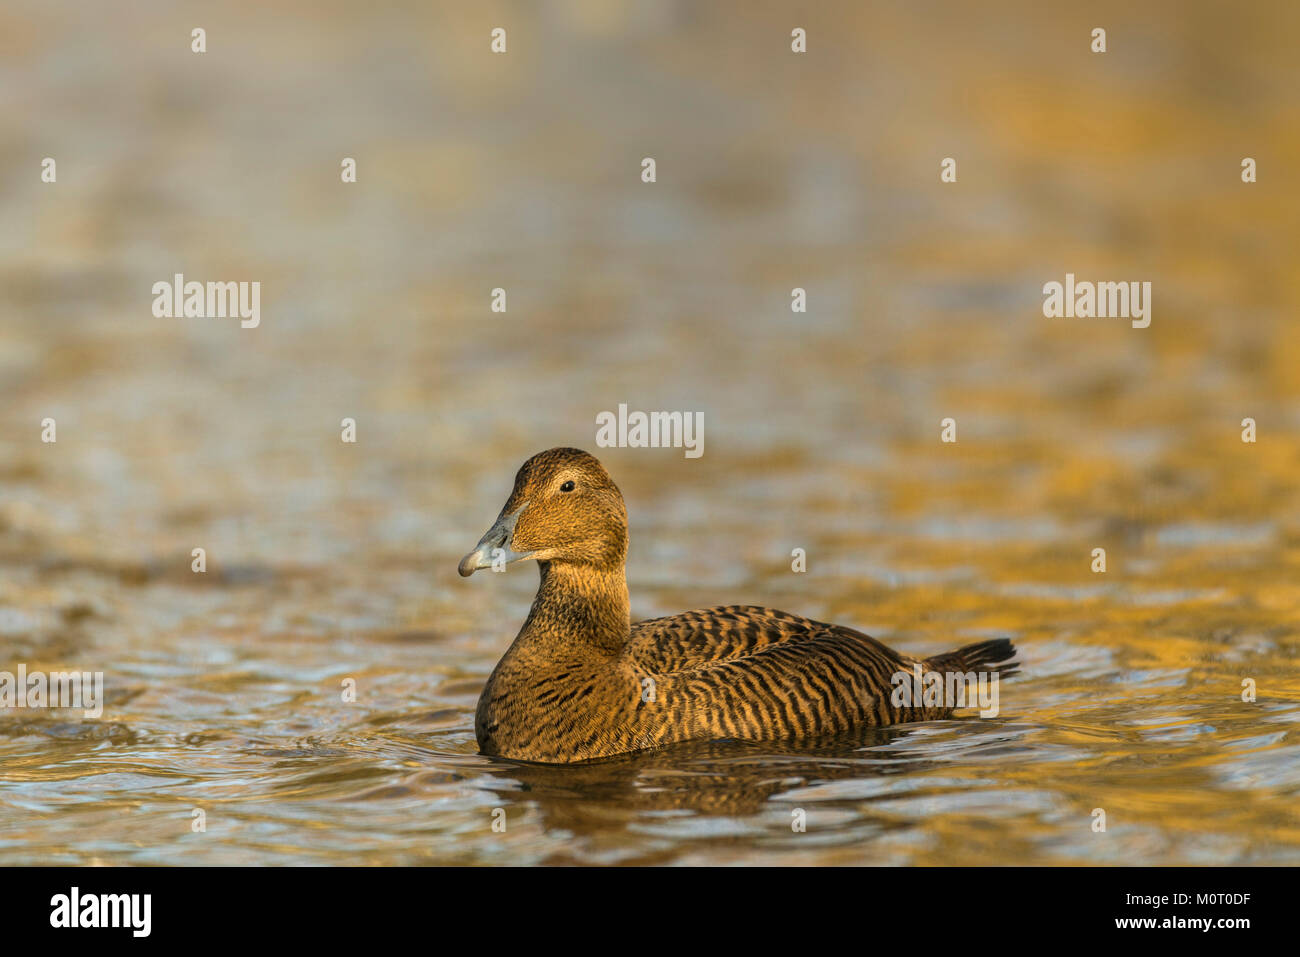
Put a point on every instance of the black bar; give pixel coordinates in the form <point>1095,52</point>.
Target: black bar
<point>883,906</point>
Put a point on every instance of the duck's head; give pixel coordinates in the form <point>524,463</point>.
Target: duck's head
<point>564,508</point>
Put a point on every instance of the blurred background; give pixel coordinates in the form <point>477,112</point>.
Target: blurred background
<point>329,561</point>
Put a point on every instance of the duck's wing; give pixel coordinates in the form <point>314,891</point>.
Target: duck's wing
<point>694,640</point>
<point>761,674</point>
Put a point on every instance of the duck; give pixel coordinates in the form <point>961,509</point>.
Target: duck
<point>581,681</point>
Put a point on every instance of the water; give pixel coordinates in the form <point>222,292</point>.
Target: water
<point>329,562</point>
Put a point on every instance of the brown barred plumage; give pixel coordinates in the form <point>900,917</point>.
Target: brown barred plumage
<point>580,681</point>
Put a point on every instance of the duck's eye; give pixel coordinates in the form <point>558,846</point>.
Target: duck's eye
<point>567,486</point>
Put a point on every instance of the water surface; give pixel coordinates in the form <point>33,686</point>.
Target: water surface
<point>329,562</point>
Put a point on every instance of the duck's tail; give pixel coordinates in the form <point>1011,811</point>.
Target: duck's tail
<point>996,656</point>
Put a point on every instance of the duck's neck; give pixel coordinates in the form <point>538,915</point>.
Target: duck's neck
<point>577,607</point>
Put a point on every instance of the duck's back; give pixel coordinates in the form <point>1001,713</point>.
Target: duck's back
<point>758,673</point>
<point>708,636</point>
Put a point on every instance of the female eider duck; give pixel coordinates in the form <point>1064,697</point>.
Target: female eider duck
<point>581,681</point>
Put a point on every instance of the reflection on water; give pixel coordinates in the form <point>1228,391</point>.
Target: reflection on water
<point>330,562</point>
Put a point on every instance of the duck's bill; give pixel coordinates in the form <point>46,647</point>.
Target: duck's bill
<point>494,547</point>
